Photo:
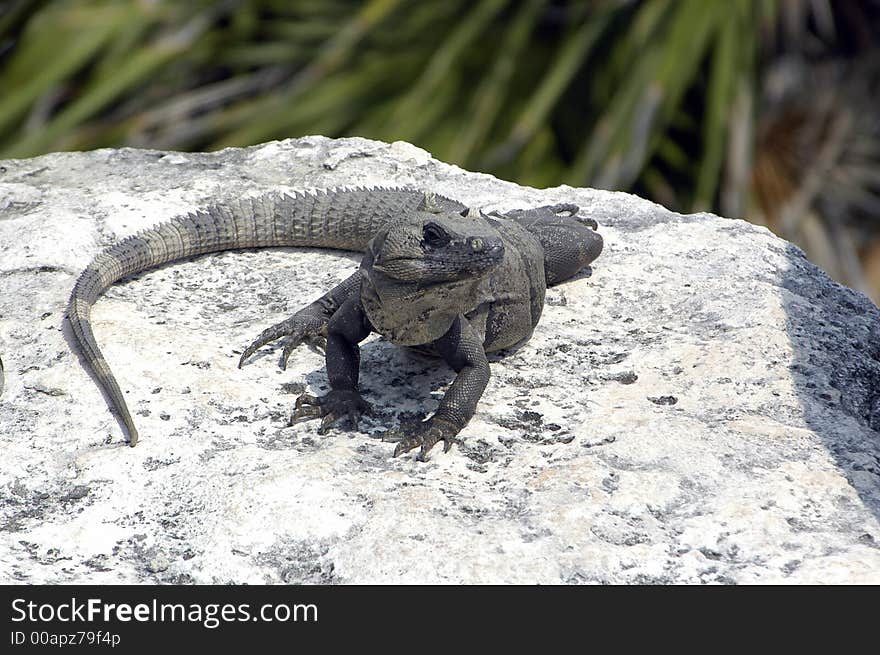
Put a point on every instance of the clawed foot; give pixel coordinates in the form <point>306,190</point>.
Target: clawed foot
<point>330,408</point>
<point>547,212</point>
<point>423,435</point>
<point>571,211</point>
<point>339,404</point>
<point>297,329</point>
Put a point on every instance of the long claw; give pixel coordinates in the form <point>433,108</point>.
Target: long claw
<point>289,347</point>
<point>305,325</point>
<point>564,208</point>
<point>293,343</point>
<point>250,350</point>
<point>427,444</point>
<point>319,342</point>
<point>328,420</point>
<point>267,335</point>
<point>306,407</point>
<point>306,399</point>
<point>330,408</point>
<point>424,436</point>
<point>304,414</point>
<point>404,446</point>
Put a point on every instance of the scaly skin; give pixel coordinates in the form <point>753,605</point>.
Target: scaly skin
<point>451,285</point>
<point>343,219</point>
<point>435,276</point>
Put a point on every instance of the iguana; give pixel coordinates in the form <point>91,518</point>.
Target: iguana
<point>435,275</point>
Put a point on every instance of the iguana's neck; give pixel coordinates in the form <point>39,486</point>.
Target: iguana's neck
<point>408,314</point>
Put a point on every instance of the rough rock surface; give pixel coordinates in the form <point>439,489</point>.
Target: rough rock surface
<point>702,406</point>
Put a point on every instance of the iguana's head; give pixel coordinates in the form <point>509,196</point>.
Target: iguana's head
<point>432,247</point>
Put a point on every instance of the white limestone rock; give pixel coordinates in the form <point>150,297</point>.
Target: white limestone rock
<point>701,406</point>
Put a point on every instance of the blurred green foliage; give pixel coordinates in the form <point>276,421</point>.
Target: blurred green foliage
<point>662,97</point>
<point>537,91</point>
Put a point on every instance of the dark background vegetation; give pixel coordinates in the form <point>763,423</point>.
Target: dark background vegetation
<point>762,109</point>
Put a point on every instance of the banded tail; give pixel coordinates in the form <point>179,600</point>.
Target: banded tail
<point>343,219</point>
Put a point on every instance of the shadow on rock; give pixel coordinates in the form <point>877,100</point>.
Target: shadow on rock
<point>835,338</point>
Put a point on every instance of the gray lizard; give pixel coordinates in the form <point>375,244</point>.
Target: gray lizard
<point>435,276</point>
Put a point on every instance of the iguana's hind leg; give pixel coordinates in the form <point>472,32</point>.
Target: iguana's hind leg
<point>570,243</point>
<point>308,325</point>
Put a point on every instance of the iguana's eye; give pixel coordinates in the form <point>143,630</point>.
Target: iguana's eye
<point>434,235</point>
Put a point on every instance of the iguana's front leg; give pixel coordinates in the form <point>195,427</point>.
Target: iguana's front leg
<point>309,324</point>
<point>345,330</point>
<point>462,349</point>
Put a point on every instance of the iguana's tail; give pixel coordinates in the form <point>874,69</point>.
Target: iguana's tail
<point>344,219</point>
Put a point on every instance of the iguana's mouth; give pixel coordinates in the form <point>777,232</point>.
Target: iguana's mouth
<point>490,255</point>
<point>393,262</point>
